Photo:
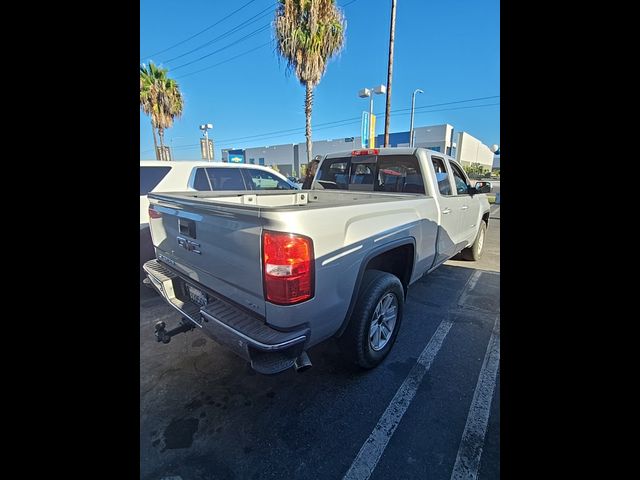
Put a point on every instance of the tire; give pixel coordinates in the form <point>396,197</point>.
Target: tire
<point>377,289</point>
<point>474,252</point>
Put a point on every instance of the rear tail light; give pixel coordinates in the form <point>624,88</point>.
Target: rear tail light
<point>287,261</point>
<point>154,213</point>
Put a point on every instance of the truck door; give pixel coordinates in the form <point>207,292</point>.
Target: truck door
<point>450,238</point>
<point>470,208</point>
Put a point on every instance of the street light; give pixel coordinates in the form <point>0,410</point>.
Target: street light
<point>205,129</point>
<point>413,103</point>
<point>368,92</point>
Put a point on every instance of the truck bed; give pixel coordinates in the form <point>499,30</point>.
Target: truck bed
<point>285,201</point>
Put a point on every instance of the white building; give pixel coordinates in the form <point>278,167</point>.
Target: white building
<point>289,158</point>
<point>470,150</point>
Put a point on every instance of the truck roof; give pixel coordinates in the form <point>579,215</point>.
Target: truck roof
<point>388,151</point>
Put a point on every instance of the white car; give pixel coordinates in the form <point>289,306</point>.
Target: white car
<point>180,176</point>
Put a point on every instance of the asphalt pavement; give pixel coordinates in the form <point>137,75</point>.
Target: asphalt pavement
<point>430,410</point>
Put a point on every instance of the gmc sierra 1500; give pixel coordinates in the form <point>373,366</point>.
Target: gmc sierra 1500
<point>270,274</point>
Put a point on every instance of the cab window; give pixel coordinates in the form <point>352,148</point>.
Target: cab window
<point>461,181</point>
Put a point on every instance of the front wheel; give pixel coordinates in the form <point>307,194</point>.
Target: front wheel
<point>474,252</point>
<point>375,320</point>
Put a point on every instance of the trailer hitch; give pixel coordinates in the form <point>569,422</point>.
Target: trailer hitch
<point>164,336</point>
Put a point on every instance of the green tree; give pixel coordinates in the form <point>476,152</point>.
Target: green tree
<point>160,98</point>
<point>308,33</point>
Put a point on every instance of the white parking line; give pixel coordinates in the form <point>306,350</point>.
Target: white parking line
<point>471,284</point>
<point>470,450</point>
<point>372,449</point>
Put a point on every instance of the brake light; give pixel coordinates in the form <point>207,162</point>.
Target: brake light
<point>287,261</point>
<point>154,213</point>
<point>370,151</point>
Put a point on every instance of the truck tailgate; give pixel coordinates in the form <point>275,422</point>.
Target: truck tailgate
<point>216,245</point>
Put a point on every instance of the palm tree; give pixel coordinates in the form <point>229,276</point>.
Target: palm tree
<point>160,98</point>
<point>308,34</point>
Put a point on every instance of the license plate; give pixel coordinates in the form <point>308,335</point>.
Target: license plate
<point>197,296</point>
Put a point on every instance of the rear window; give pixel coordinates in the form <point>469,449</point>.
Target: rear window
<point>150,177</point>
<point>219,179</point>
<point>387,173</point>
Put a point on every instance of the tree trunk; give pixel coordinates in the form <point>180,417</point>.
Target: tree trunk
<point>308,103</point>
<point>161,135</point>
<point>155,140</point>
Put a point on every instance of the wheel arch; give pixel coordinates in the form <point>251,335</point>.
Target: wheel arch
<point>397,258</point>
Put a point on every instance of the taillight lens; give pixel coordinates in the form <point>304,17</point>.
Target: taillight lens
<point>154,213</point>
<point>287,261</point>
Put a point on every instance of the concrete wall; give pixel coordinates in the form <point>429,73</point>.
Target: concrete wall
<point>281,155</point>
<point>438,136</point>
<point>323,147</point>
<point>471,150</point>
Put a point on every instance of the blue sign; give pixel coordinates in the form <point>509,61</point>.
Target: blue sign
<point>365,130</point>
<point>236,156</point>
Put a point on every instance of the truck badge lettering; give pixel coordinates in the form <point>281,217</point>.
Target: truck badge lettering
<point>189,245</point>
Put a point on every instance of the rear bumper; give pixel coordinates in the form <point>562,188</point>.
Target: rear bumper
<point>269,350</point>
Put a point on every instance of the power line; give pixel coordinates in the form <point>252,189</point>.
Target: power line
<point>200,32</point>
<point>241,39</point>
<point>224,61</point>
<point>325,126</point>
<point>293,130</point>
<point>234,57</point>
<point>229,32</point>
<point>301,130</point>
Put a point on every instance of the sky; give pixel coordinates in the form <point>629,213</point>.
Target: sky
<point>449,49</point>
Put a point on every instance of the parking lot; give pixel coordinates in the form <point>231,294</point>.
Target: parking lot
<point>430,410</point>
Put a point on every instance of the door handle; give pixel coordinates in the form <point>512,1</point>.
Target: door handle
<point>445,211</point>
<point>464,207</point>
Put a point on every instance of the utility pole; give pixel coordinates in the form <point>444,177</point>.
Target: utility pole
<point>413,104</point>
<point>392,34</point>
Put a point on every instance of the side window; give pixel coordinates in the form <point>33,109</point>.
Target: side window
<point>458,176</point>
<point>150,177</point>
<point>226,179</point>
<point>201,182</point>
<point>442,177</point>
<point>399,173</point>
<point>334,174</point>
<point>262,180</point>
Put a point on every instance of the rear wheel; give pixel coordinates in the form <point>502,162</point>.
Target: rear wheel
<point>474,252</point>
<point>375,320</point>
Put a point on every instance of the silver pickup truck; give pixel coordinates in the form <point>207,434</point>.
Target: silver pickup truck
<point>270,274</point>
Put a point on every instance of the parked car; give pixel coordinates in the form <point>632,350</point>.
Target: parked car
<point>270,274</point>
<point>156,176</point>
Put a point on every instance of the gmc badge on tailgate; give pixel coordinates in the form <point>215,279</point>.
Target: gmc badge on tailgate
<point>189,245</point>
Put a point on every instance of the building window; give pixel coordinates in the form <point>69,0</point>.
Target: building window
<point>260,161</point>
<point>252,161</point>
<point>435,149</point>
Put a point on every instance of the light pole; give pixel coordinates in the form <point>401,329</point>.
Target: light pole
<point>413,103</point>
<point>368,92</point>
<point>205,129</point>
